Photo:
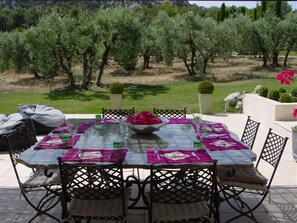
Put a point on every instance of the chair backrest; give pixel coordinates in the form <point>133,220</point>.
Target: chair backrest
<point>250,132</point>
<point>91,182</point>
<point>117,113</point>
<point>16,143</point>
<point>272,151</point>
<point>31,133</point>
<point>183,184</point>
<point>171,113</point>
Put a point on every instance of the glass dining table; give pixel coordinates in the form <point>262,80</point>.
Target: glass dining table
<point>175,136</point>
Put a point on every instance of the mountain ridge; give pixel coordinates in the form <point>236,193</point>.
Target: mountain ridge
<point>95,3</point>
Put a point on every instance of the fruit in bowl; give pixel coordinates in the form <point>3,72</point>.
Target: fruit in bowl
<point>145,122</point>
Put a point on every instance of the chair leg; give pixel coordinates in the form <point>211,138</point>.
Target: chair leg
<point>46,203</point>
<point>241,204</point>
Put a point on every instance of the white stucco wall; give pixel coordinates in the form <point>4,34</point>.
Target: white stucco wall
<point>266,110</point>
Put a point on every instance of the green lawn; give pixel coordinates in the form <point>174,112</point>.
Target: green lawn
<point>142,97</point>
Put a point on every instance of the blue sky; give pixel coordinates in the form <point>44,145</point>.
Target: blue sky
<point>248,4</point>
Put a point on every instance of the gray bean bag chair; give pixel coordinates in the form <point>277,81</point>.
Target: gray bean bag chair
<point>8,123</point>
<point>45,118</point>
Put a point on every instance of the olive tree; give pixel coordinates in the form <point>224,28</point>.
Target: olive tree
<point>214,41</point>
<point>117,29</point>
<point>13,53</point>
<point>53,46</point>
<point>241,32</point>
<point>165,36</point>
<point>266,32</point>
<point>259,36</point>
<point>5,48</point>
<point>126,49</point>
<point>148,46</point>
<point>188,28</point>
<point>199,40</point>
<point>87,47</point>
<point>289,27</point>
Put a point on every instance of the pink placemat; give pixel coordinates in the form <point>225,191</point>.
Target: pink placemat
<point>179,121</point>
<point>95,155</point>
<point>61,129</point>
<point>83,127</point>
<point>55,142</point>
<point>217,128</point>
<point>178,156</point>
<point>223,143</point>
<point>64,129</point>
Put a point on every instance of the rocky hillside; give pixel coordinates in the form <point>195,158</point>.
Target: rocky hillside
<point>88,3</point>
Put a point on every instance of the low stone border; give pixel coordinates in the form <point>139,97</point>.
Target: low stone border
<point>266,110</point>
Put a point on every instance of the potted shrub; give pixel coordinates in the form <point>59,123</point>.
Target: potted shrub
<point>116,90</point>
<point>273,95</point>
<point>263,91</point>
<point>205,90</point>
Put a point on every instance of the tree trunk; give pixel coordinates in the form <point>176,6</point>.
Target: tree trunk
<point>85,69</point>
<point>102,64</point>
<point>36,75</point>
<point>68,71</point>
<point>71,78</point>
<point>193,56</point>
<point>205,61</point>
<point>188,67</point>
<point>146,61</point>
<point>90,73</point>
<point>288,51</point>
<point>264,61</point>
<point>88,61</point>
<point>286,58</point>
<point>264,56</point>
<point>275,59</point>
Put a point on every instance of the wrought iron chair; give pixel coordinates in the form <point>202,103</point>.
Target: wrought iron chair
<point>182,193</point>
<point>31,134</point>
<point>93,191</point>
<point>170,113</point>
<point>235,182</point>
<point>117,113</point>
<point>17,142</point>
<point>250,132</point>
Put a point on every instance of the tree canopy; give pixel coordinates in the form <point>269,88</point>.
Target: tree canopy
<point>55,41</point>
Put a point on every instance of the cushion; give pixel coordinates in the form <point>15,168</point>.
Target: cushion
<point>9,122</point>
<point>242,174</point>
<point>100,208</point>
<point>171,212</point>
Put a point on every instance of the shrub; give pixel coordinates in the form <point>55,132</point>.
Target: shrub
<point>257,88</point>
<point>282,90</point>
<point>294,92</point>
<point>205,87</point>
<point>116,88</point>
<point>263,91</point>
<point>293,99</point>
<point>273,95</point>
<point>285,98</point>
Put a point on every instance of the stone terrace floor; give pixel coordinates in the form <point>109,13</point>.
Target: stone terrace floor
<point>280,208</point>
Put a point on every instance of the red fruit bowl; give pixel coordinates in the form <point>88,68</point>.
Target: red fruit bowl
<point>146,129</point>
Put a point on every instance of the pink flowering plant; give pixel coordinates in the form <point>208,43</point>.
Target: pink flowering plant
<point>286,77</point>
